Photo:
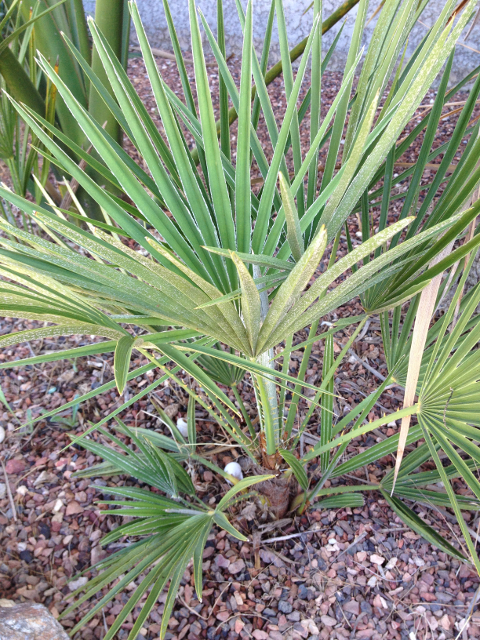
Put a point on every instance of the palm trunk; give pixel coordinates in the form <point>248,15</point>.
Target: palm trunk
<point>278,492</point>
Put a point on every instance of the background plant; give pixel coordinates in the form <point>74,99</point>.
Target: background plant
<point>224,275</point>
<point>17,149</point>
<point>28,29</point>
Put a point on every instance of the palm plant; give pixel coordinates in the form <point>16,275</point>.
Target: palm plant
<point>225,275</point>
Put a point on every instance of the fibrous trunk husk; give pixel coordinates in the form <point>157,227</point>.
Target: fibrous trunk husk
<point>278,491</point>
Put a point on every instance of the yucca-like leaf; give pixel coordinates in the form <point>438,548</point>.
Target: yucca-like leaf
<point>220,198</point>
<point>76,352</point>
<point>315,101</point>
<point>288,83</point>
<point>262,100</point>
<point>242,363</point>
<point>262,222</point>
<point>194,370</point>
<point>338,126</point>
<point>315,208</point>
<point>158,439</point>
<point>389,445</point>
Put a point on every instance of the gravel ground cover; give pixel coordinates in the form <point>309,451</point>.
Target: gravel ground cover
<point>346,573</point>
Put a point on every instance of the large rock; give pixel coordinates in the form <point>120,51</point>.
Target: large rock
<point>28,622</point>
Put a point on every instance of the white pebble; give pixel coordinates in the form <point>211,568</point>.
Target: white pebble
<point>2,434</point>
<point>182,426</point>
<point>76,584</point>
<point>235,470</point>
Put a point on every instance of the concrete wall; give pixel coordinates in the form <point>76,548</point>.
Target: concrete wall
<point>298,27</point>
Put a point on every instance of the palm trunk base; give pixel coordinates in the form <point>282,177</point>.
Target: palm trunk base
<point>279,492</point>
